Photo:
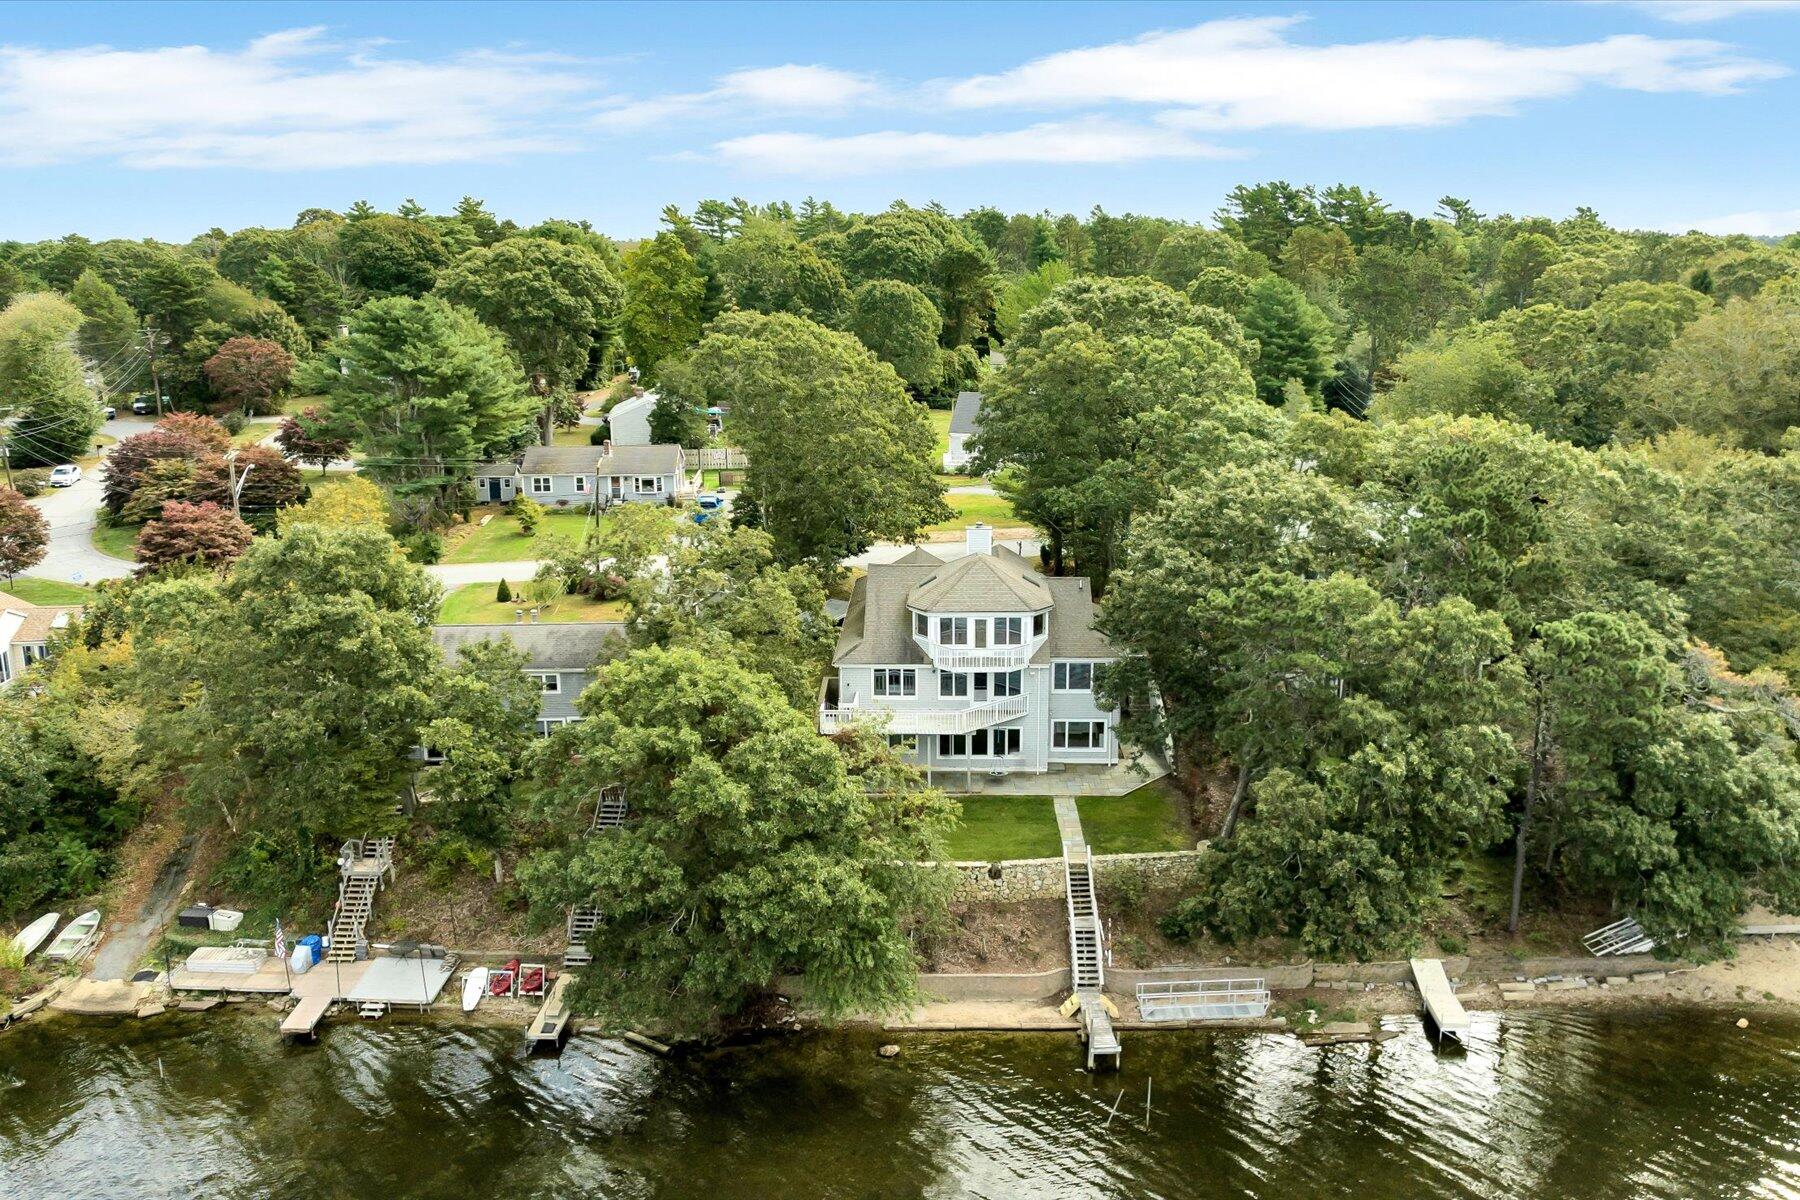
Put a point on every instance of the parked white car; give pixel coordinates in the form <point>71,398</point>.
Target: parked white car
<point>65,475</point>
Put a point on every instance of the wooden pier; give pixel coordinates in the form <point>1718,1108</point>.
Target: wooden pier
<point>551,1024</point>
<point>1441,1004</point>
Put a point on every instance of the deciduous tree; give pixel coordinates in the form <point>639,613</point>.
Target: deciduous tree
<point>249,373</point>
<point>750,849</point>
<point>898,323</point>
<point>192,533</point>
<point>664,292</point>
<point>24,534</point>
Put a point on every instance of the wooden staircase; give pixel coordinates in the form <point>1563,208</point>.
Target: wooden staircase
<point>362,863</point>
<point>582,921</point>
<point>609,811</point>
<point>1087,951</point>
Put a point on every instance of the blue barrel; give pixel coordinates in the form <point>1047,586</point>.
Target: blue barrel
<point>316,946</point>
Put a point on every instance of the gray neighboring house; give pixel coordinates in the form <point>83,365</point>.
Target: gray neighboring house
<point>629,419</point>
<point>561,657</point>
<point>28,632</point>
<point>574,476</point>
<point>980,663</point>
<point>965,423</point>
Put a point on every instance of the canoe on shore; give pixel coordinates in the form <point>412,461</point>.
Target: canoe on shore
<point>28,939</point>
<point>77,936</point>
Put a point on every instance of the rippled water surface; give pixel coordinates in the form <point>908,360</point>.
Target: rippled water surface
<point>1554,1104</point>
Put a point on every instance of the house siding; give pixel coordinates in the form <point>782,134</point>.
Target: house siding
<point>564,493</point>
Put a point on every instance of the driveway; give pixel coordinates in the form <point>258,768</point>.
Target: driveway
<point>72,513</point>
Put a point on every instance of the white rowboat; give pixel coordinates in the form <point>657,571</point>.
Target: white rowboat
<point>474,988</point>
<point>28,939</point>
<point>77,936</point>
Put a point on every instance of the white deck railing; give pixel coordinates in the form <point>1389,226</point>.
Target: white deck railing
<point>903,720</point>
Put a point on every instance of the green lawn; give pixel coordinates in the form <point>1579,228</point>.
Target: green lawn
<point>998,827</point>
<point>117,541</point>
<point>940,432</point>
<point>474,604</point>
<point>46,591</point>
<point>500,540</point>
<point>1141,822</point>
<point>578,436</point>
<point>973,507</point>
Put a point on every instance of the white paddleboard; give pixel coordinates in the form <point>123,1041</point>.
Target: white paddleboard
<point>28,939</point>
<point>474,988</point>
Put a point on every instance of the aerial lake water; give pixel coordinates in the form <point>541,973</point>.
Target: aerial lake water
<point>1557,1104</point>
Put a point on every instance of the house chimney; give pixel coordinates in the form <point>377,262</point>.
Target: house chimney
<point>534,613</point>
<point>980,539</point>
<point>605,447</point>
<point>518,616</point>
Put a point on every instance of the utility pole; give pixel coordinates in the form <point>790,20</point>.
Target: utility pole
<point>237,482</point>
<point>151,341</point>
<point>6,461</point>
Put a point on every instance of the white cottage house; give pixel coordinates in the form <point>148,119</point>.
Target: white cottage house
<point>575,476</point>
<point>979,663</point>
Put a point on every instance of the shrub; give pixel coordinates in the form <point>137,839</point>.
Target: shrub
<point>1126,889</point>
<point>528,512</point>
<point>423,546</point>
<point>1449,943</point>
<point>30,483</point>
<point>234,421</point>
<point>598,435</point>
<point>205,532</point>
<point>503,593</point>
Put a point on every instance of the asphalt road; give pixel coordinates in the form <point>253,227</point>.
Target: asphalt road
<point>72,513</point>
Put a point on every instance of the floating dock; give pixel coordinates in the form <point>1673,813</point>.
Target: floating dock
<point>551,1024</point>
<point>1441,1004</point>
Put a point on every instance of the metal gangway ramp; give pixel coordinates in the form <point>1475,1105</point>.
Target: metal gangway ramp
<point>1621,937</point>
<point>1445,1010</point>
<point>1203,999</point>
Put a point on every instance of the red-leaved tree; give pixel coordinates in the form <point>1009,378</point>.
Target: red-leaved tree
<point>203,429</point>
<point>268,482</point>
<point>248,373</point>
<point>204,533</point>
<point>24,534</point>
<point>308,438</point>
<point>125,465</point>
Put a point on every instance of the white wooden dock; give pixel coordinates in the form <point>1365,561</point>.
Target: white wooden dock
<point>551,1024</point>
<point>1441,1004</point>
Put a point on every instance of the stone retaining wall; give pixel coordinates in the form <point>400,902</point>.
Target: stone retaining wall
<point>1042,878</point>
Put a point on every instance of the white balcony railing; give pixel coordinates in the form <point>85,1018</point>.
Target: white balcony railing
<point>921,721</point>
<point>965,658</point>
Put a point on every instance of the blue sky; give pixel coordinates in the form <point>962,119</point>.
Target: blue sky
<point>162,120</point>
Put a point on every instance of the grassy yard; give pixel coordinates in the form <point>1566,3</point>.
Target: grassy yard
<point>999,827</point>
<point>940,432</point>
<point>973,507</point>
<point>116,541</point>
<point>577,436</point>
<point>500,540</point>
<point>1142,822</point>
<point>46,591</point>
<point>474,604</point>
<point>996,827</point>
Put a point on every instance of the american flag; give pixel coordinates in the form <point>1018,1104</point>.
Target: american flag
<point>280,940</point>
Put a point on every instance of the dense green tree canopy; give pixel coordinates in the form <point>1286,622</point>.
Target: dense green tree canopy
<point>664,291</point>
<point>898,323</point>
<point>750,850</point>
<point>840,456</point>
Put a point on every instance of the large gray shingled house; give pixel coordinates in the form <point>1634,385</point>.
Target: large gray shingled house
<point>561,658</point>
<point>978,663</point>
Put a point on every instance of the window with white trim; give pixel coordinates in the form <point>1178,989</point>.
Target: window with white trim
<point>1072,677</point>
<point>953,683</point>
<point>5,666</point>
<point>1009,631</point>
<point>581,485</point>
<point>953,631</point>
<point>649,483</point>
<point>896,681</point>
<point>549,682</point>
<point>953,745</point>
<point>1078,735</point>
<point>541,485</point>
<point>1006,683</point>
<point>1038,620</point>
<point>549,725</point>
<point>921,624</point>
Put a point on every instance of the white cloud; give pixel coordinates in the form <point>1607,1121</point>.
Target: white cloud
<point>289,100</point>
<point>1777,222</point>
<point>1698,12</point>
<point>756,92</point>
<point>1084,142</point>
<point>1245,73</point>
